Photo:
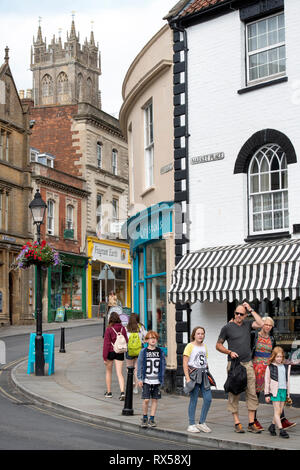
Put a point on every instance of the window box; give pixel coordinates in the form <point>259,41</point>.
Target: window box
<point>69,233</point>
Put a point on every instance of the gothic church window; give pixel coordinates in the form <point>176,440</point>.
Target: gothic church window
<point>89,90</point>
<point>79,94</point>
<point>47,89</point>
<point>62,87</point>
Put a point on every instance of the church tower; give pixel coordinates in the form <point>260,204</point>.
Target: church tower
<point>65,75</point>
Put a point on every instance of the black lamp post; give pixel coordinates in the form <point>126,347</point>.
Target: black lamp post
<point>38,208</point>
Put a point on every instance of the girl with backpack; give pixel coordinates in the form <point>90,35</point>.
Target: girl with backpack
<point>114,333</point>
<point>135,343</point>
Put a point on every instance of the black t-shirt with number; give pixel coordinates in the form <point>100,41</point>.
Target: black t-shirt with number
<point>152,366</point>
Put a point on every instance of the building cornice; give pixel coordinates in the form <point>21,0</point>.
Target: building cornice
<point>60,186</point>
<point>159,69</point>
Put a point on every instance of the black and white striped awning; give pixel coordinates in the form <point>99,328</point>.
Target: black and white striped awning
<point>262,270</point>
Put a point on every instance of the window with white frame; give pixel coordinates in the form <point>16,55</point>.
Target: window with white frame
<point>115,210</point>
<point>1,143</point>
<point>268,190</point>
<point>50,216</point>
<point>149,145</point>
<point>114,162</point>
<point>99,210</point>
<point>99,155</point>
<point>4,145</point>
<point>265,41</point>
<point>1,210</point>
<point>70,217</point>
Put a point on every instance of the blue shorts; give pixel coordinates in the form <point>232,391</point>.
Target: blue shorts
<point>151,391</point>
<point>130,357</point>
<point>281,395</point>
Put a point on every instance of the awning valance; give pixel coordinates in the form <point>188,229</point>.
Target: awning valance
<point>261,270</point>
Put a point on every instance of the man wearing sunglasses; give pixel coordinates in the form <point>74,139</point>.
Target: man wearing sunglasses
<point>237,333</point>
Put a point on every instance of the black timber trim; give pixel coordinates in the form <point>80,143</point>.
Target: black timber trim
<point>260,9</point>
<point>180,175</point>
<point>259,139</point>
<point>249,88</point>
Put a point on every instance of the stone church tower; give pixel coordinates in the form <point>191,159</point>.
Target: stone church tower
<point>65,75</point>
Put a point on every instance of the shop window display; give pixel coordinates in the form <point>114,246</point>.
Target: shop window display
<point>151,288</point>
<point>66,288</point>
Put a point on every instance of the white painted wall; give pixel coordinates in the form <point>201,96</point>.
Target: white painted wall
<point>221,120</point>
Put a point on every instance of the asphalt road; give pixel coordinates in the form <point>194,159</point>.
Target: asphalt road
<point>26,426</point>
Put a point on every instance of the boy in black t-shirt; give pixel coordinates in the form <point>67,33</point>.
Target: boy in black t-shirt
<point>151,370</point>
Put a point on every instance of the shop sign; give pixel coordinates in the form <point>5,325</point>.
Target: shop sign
<point>166,168</point>
<point>6,238</point>
<point>109,253</point>
<point>211,157</point>
<point>48,353</point>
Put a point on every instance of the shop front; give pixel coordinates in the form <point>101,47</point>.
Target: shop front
<point>265,274</point>
<point>150,235</point>
<point>116,256</point>
<point>67,287</point>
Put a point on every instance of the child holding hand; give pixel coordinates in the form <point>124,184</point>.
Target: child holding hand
<point>277,388</point>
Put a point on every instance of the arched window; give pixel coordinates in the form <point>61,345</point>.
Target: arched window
<point>99,154</point>
<point>47,86</point>
<point>89,88</point>
<point>268,190</point>
<point>114,162</point>
<point>79,87</point>
<point>50,216</point>
<point>62,85</point>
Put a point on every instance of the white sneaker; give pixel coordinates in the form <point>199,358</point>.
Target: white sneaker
<point>192,428</point>
<point>203,427</point>
<point>135,390</point>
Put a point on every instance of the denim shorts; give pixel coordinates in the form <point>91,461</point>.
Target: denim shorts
<point>130,357</point>
<point>281,395</point>
<point>151,391</point>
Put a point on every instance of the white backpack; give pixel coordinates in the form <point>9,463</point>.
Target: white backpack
<point>120,345</point>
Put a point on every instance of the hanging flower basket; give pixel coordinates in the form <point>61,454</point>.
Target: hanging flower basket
<point>38,254</point>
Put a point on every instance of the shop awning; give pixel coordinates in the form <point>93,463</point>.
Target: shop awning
<point>250,271</point>
<point>114,264</point>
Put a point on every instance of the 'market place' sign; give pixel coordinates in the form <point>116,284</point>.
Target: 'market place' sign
<point>211,157</point>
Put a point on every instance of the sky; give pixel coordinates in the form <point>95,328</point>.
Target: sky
<point>121,27</point>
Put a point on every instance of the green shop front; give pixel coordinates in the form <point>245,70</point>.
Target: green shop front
<point>67,287</point>
<point>149,233</point>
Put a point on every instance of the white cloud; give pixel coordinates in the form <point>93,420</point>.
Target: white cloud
<point>121,34</point>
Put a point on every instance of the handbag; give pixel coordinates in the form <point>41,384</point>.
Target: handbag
<point>236,382</point>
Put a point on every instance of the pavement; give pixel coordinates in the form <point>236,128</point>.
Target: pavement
<point>78,386</point>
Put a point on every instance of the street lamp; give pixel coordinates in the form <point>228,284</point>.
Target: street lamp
<point>38,208</point>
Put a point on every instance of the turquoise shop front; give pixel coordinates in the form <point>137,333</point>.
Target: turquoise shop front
<point>145,232</point>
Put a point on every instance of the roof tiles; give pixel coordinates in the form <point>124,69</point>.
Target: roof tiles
<point>199,5</point>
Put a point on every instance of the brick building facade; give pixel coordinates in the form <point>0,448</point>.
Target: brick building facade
<point>79,161</point>
<point>16,285</point>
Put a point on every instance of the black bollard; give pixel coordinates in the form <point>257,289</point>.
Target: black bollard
<point>128,410</point>
<point>104,321</point>
<point>62,341</point>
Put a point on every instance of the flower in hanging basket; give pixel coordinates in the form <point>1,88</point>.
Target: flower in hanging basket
<point>39,254</point>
